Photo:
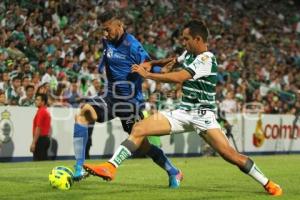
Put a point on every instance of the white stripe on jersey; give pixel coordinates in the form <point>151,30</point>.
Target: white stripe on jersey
<point>202,91</point>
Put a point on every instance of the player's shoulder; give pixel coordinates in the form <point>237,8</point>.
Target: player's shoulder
<point>130,37</point>
<point>135,45</point>
<point>205,57</point>
<point>130,40</point>
<point>40,112</point>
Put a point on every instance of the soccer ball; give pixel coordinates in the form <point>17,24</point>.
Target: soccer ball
<point>61,177</point>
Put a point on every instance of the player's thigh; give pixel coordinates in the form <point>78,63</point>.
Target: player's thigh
<point>128,123</point>
<point>128,113</point>
<point>86,115</point>
<point>156,124</point>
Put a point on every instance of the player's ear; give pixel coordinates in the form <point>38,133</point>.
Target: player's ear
<point>198,38</point>
<point>120,23</point>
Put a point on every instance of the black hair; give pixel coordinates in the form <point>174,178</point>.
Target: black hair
<point>28,87</point>
<point>39,88</point>
<point>197,28</point>
<point>24,77</point>
<point>73,80</point>
<point>44,97</point>
<point>17,77</point>
<point>108,15</point>
<point>83,81</point>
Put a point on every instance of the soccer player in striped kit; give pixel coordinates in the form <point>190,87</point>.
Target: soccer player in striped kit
<point>196,112</point>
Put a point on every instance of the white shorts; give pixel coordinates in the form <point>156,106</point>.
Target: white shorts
<point>194,120</point>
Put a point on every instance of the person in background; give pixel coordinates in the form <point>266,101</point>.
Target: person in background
<point>14,92</point>
<point>2,98</point>
<point>41,129</point>
<point>28,99</point>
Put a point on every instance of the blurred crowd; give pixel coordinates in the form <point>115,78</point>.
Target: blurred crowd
<point>54,46</point>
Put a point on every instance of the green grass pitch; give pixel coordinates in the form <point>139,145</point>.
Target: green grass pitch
<point>205,178</point>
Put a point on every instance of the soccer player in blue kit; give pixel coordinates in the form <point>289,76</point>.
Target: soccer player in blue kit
<point>123,97</point>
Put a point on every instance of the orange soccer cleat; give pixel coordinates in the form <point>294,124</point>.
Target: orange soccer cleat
<point>273,189</point>
<point>106,170</point>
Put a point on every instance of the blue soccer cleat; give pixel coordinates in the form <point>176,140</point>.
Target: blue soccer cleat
<point>79,173</point>
<point>174,180</point>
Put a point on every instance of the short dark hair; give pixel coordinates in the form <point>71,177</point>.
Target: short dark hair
<point>108,15</point>
<point>17,77</point>
<point>24,77</point>
<point>44,97</point>
<point>28,87</point>
<point>197,27</point>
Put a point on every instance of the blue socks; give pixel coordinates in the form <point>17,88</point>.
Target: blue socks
<point>161,160</point>
<point>80,138</point>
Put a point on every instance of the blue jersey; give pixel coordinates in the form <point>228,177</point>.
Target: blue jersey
<point>117,60</point>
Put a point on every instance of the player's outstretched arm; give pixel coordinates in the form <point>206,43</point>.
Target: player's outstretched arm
<point>166,63</point>
<point>173,77</point>
<point>169,66</point>
<point>163,62</point>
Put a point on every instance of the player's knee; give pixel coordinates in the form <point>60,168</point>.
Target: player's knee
<point>136,140</point>
<point>80,119</point>
<point>138,131</point>
<point>89,113</point>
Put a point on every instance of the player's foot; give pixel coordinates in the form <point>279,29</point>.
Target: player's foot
<point>273,189</point>
<point>79,173</point>
<point>107,171</point>
<point>174,180</point>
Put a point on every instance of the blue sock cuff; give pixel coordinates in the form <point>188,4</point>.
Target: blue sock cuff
<point>80,130</point>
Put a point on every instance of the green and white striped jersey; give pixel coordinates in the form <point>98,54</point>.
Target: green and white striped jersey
<point>199,92</point>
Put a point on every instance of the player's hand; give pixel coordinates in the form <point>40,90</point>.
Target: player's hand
<point>168,67</point>
<point>32,147</point>
<point>140,70</point>
<point>146,65</point>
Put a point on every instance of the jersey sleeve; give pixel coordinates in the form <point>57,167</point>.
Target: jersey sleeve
<point>180,58</point>
<point>138,53</point>
<point>200,67</point>
<point>102,63</point>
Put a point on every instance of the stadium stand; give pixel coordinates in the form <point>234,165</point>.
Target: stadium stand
<point>56,45</point>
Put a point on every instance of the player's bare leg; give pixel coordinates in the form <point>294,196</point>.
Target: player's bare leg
<point>136,139</point>
<point>220,143</point>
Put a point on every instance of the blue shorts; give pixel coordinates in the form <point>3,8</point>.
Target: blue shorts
<point>108,108</point>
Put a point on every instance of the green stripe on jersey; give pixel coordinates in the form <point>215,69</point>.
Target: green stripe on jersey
<point>200,93</point>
